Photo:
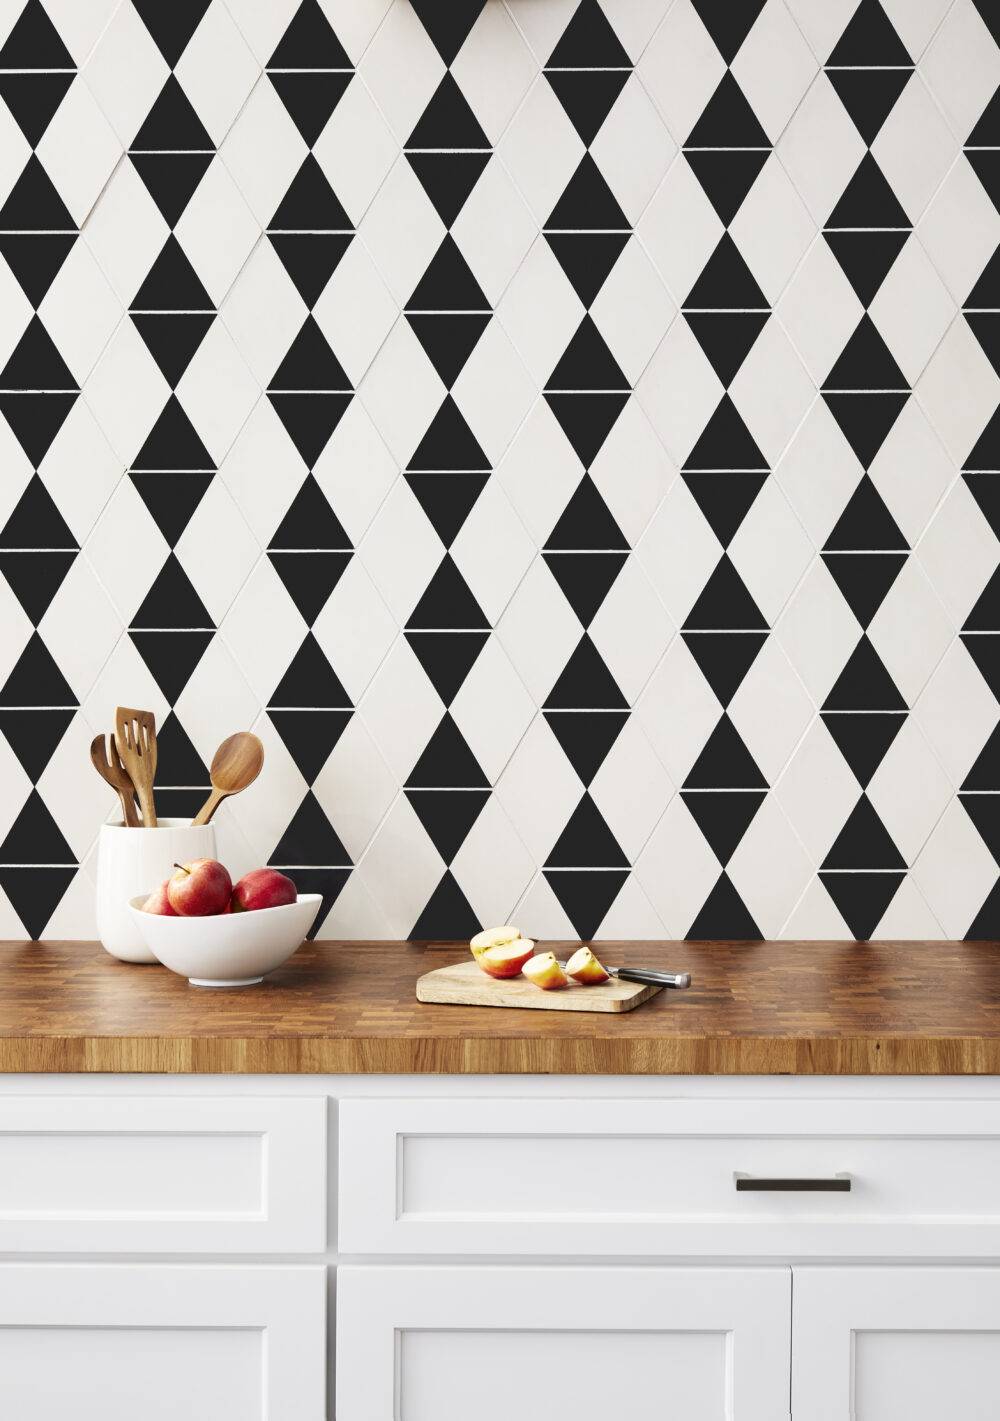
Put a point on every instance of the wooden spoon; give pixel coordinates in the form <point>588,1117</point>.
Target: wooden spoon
<point>135,736</point>
<point>237,763</point>
<point>110,768</point>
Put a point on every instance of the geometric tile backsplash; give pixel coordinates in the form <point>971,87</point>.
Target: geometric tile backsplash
<point>568,432</point>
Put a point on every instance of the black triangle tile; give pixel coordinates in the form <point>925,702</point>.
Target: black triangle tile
<point>726,282</point>
<point>865,363</point>
<point>172,284</point>
<point>864,684</point>
<point>587,203</point>
<point>868,200</point>
<point>587,96</point>
<point>724,916</point>
<point>309,578</point>
<point>585,578</point>
<point>310,838</point>
<point>985,652</point>
<point>585,683</point>
<point>869,95</point>
<point>310,682</point>
<point>171,658</point>
<point>171,179</point>
<point>310,419</point>
<point>725,443</point>
<point>35,363</point>
<point>865,419</point>
<point>986,133</point>
<point>310,204</point>
<point>865,258</point>
<point>447,499</point>
<point>310,258</point>
<point>586,523</point>
<point>310,364</point>
<point>311,98</point>
<point>725,499</point>
<point>448,121</point>
<point>36,419</point>
<point>587,258</point>
<point>36,679</point>
<point>985,454</point>
<point>984,811</point>
<point>178,762</point>
<point>723,816</point>
<point>449,444</point>
<point>35,837</point>
<point>173,443</point>
<point>36,521</point>
<point>727,175</point>
<point>985,489</point>
<point>35,578</point>
<point>864,842</point>
<point>589,42</point>
<point>870,39</point>
<point>986,165</point>
<point>328,882</point>
<point>310,736</point>
<point>172,25</point>
<point>586,737</point>
<point>587,419</point>
<point>33,99</point>
<point>171,499</point>
<point>725,762</point>
<point>34,42</point>
<point>585,896</point>
<point>985,295</point>
<point>446,762</point>
<point>34,735</point>
<point>448,339</point>
<point>866,523</point>
<point>727,338</point>
<point>448,284</point>
<point>727,120</point>
<point>587,363</point>
<point>724,658</point>
<point>309,42</point>
<point>985,773</point>
<point>172,601</point>
<point>446,917</point>
<point>448,179</point>
<point>986,328</point>
<point>447,658</point>
<point>864,579</point>
<point>34,205</point>
<point>728,25</point>
<point>985,615</point>
<point>310,522</point>
<point>172,125</point>
<point>448,25</point>
<point>586,841</point>
<point>36,259</point>
<point>862,898</point>
<point>447,603</point>
<point>725,604</point>
<point>448,815</point>
<point>35,893</point>
<point>172,338</point>
<point>985,926</point>
<point>863,739</point>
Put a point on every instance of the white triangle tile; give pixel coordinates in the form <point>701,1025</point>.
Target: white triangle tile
<point>633,149</point>
<point>771,550</point>
<point>494,391</point>
<point>771,710</point>
<point>677,869</point>
<point>493,867</point>
<point>915,21</point>
<point>401,709</point>
<point>80,311</point>
<point>79,150</point>
<point>493,550</point>
<point>401,68</point>
<point>263,150</point>
<point>818,631</point>
<point>819,471</point>
<point>915,148</point>
<point>492,709</point>
<point>909,790</point>
<point>824,21</point>
<point>815,918</point>
<point>632,471</point>
<point>15,786</point>
<point>15,629</point>
<point>494,69</point>
<point>679,390</point>
<point>401,551</point>
<point>769,868</point>
<point>957,712</point>
<point>817,792</point>
<point>541,149</point>
<point>679,551</point>
<point>960,229</point>
<point>632,309</point>
<point>262,446</point>
<point>15,312</point>
<point>402,391</point>
<point>355,787</point>
<point>631,915</point>
<point>75,915</point>
<point>908,918</point>
<point>681,67</point>
<point>539,789</point>
<point>218,391</point>
<point>217,70</point>
<point>263,811</point>
<point>959,552</point>
<point>540,443</point>
<point>80,23</point>
<point>542,915</point>
<point>540,311</point>
<point>772,391</point>
<point>76,798</point>
<point>217,230</point>
<point>216,698</point>
<point>355,629</point>
<point>678,710</point>
<point>912,310</point>
<point>126,549</point>
<point>820,124</point>
<point>125,667</point>
<point>494,230</point>
<point>218,566</point>
<point>819,310</point>
<point>355,312</point>
<point>355,470</point>
<point>263,22</point>
<point>630,789</point>
<point>542,25</point>
<point>955,871</point>
<point>80,627</point>
<point>126,231</point>
<point>962,67</point>
<point>261,602</point>
<point>401,868</point>
<point>355,916</point>
<point>263,312</point>
<point>539,630</point>
<point>126,391</point>
<point>911,471</point>
<point>774,67</point>
<point>125,72</point>
<point>680,228</point>
<point>356,149</point>
<point>773,229</point>
<point>959,389</point>
<point>631,629</point>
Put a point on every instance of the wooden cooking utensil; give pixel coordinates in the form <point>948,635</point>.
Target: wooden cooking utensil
<point>110,768</point>
<point>135,736</point>
<point>237,763</point>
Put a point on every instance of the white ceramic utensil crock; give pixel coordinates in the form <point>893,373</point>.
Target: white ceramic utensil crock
<point>132,862</point>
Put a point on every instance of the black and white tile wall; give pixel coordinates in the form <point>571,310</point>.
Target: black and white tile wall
<point>567,432</point>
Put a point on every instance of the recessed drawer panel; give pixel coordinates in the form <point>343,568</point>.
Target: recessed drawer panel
<point>673,1178</point>
<point>159,1175</point>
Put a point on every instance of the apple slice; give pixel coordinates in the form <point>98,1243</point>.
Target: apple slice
<point>493,937</point>
<point>545,972</point>
<point>584,968</point>
<point>507,959</point>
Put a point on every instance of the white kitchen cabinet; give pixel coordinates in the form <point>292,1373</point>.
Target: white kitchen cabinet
<point>896,1344</point>
<point>449,1343</point>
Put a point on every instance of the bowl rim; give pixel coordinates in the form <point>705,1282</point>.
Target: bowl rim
<point>135,906</point>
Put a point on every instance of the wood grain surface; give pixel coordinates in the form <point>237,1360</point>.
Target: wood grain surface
<point>466,984</point>
<point>811,1008</point>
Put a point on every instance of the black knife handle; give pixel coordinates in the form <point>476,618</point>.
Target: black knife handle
<point>653,979</point>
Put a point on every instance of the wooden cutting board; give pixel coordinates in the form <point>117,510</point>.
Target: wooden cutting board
<point>466,984</point>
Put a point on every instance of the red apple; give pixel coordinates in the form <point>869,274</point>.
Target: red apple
<point>263,888</point>
<point>158,902</point>
<point>507,959</point>
<point>584,968</point>
<point>545,972</point>
<point>199,889</point>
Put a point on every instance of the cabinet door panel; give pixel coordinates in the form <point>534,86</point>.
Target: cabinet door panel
<point>896,1344</point>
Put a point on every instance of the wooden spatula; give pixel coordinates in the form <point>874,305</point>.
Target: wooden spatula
<point>110,768</point>
<point>237,763</point>
<point>135,736</point>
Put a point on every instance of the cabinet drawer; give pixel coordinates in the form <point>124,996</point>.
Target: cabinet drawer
<point>184,1175</point>
<point>659,1177</point>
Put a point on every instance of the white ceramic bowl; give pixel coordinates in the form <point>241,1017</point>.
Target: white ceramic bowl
<point>229,949</point>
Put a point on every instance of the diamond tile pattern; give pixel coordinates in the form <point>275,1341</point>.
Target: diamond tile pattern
<point>569,433</point>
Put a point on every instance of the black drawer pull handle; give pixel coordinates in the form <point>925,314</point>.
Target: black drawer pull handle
<point>835,1184</point>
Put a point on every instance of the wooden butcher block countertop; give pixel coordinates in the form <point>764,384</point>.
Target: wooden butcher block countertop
<point>809,1008</point>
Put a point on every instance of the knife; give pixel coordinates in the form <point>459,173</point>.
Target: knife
<point>649,977</point>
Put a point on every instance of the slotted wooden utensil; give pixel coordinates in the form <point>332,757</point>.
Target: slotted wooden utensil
<point>135,736</point>
<point>110,768</point>
<point>236,764</point>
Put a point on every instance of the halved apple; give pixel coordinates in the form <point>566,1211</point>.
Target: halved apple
<point>545,972</point>
<point>584,968</point>
<point>506,959</point>
<point>493,937</point>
